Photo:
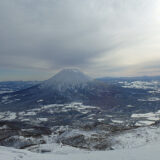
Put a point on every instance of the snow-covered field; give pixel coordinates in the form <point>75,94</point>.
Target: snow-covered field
<point>51,109</point>
<point>146,118</point>
<point>139,119</point>
<point>141,84</point>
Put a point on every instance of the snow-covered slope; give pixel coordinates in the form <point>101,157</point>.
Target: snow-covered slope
<point>148,152</point>
<point>67,78</point>
<point>137,144</point>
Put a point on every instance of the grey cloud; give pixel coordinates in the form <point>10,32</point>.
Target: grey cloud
<point>51,34</point>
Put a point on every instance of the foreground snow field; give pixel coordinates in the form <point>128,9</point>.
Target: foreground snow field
<point>148,152</point>
<point>137,144</point>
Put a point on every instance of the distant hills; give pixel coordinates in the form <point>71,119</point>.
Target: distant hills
<point>12,86</point>
<point>142,78</point>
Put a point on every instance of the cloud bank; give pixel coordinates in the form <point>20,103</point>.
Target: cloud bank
<point>103,38</point>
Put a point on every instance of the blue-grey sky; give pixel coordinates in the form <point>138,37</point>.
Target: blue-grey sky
<point>100,37</point>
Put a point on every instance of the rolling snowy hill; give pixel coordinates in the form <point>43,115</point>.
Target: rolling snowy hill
<point>138,152</point>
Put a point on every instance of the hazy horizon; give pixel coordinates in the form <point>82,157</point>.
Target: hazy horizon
<point>102,38</point>
<point>46,78</point>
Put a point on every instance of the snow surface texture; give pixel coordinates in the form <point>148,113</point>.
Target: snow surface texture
<point>149,152</point>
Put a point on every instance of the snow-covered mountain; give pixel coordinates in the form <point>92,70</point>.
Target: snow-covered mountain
<point>67,86</point>
<point>71,85</point>
<point>66,78</point>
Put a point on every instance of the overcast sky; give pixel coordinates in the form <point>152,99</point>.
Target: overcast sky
<point>100,37</point>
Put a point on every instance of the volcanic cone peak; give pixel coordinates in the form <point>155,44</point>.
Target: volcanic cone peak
<point>67,78</point>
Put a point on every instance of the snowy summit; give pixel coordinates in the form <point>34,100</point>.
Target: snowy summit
<point>67,78</point>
